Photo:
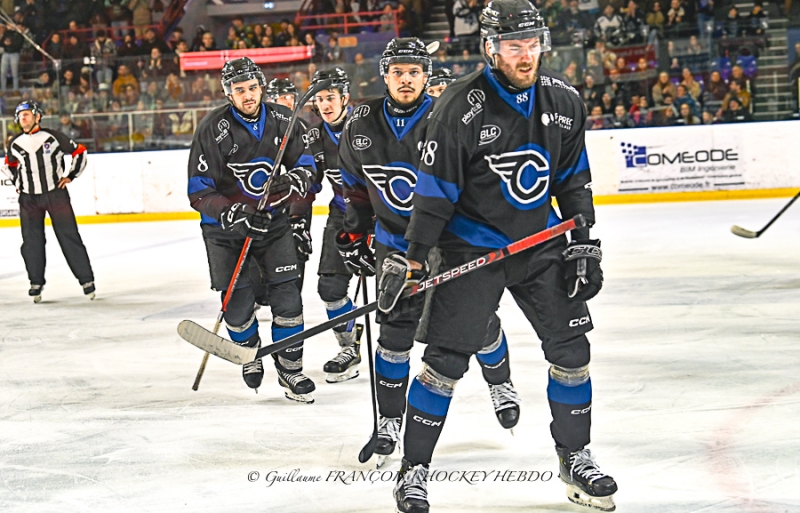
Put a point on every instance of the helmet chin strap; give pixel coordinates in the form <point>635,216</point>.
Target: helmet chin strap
<point>342,113</point>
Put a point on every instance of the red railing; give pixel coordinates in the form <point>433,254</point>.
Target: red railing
<point>346,22</point>
<point>87,34</point>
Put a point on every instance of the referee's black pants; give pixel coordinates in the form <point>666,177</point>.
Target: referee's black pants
<point>32,208</point>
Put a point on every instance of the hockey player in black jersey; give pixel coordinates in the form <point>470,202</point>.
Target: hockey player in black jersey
<point>379,152</point>
<point>231,159</point>
<point>331,106</point>
<point>500,144</point>
<point>440,79</point>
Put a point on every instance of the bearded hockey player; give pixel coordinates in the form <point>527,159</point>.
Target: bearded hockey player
<point>231,159</point>
<point>379,152</point>
<point>501,143</point>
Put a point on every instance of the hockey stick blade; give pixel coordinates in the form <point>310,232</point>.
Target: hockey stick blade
<point>741,232</point>
<point>214,344</point>
<point>220,346</point>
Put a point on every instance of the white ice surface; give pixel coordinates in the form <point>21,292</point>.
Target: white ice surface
<point>695,375</point>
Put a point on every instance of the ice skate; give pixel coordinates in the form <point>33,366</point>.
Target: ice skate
<point>36,292</point>
<point>88,290</point>
<point>388,438</point>
<point>586,484</point>
<point>344,366</point>
<point>298,386</point>
<point>253,373</point>
<point>506,404</point>
<point>411,489</point>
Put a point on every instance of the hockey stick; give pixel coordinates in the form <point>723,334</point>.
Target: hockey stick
<point>227,350</point>
<point>276,169</point>
<point>747,234</point>
<point>368,450</point>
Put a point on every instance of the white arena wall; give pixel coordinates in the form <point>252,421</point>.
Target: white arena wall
<point>634,165</point>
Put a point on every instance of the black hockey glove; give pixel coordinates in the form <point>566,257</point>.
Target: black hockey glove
<point>357,255</point>
<point>295,181</point>
<point>582,269</point>
<point>246,220</point>
<point>302,236</point>
<point>396,276</point>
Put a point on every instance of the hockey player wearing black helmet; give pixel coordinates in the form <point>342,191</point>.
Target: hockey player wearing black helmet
<point>440,79</point>
<point>501,143</point>
<point>281,91</point>
<point>379,157</point>
<point>230,160</point>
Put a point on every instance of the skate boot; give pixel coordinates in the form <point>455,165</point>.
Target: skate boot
<point>586,484</point>
<point>253,373</point>
<point>506,404</point>
<point>344,365</point>
<point>36,292</point>
<point>298,386</point>
<point>411,489</point>
<point>88,289</point>
<point>388,438</point>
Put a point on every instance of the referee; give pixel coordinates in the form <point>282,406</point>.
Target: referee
<point>36,161</point>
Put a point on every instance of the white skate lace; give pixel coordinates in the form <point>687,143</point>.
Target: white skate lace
<point>294,379</point>
<point>346,355</point>
<point>253,367</point>
<point>584,465</point>
<point>503,396</point>
<point>389,428</point>
<point>415,483</point>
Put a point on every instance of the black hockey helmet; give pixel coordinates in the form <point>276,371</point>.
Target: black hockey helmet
<point>509,20</point>
<point>339,76</point>
<point>240,70</point>
<point>278,87</point>
<point>441,76</point>
<point>406,50</point>
<point>27,105</point>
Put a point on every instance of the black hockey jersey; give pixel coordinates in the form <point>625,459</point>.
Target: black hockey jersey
<point>493,160</point>
<point>323,142</point>
<point>379,158</point>
<point>231,159</point>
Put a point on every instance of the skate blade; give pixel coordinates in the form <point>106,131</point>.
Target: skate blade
<point>581,498</point>
<point>37,299</point>
<point>300,398</point>
<point>347,375</point>
<point>91,296</point>
<point>380,460</point>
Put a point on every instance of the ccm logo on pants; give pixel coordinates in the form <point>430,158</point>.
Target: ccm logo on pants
<point>579,322</point>
<point>427,422</point>
<point>283,268</point>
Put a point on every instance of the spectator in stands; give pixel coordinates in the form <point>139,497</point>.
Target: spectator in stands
<point>333,54</point>
<point>240,31</point>
<point>232,41</point>
<point>282,37</point>
<point>571,73</point>
<point>120,16</point>
<point>716,88</point>
<point>640,85</point>
<point>572,18</point>
<point>694,48</point>
<point>735,91</point>
<point>606,104</point>
<point>731,25</point>
<point>208,43</point>
<point>319,50</point>
<point>633,21</point>
<point>124,77</point>
<point>104,51</point>
<point>33,18</point>
<point>675,16</point>
<point>735,112</point>
<point>596,121</point>
<point>655,18</point>
<point>84,84</point>
<point>75,49</point>
<point>594,67</point>
<point>737,75</point>
<point>177,36</point>
<point>664,115</point>
<point>552,60</point>
<point>128,48</point>
<point>130,98</point>
<point>364,77</point>
<point>67,127</point>
<point>150,41</point>
<point>11,45</point>
<point>181,122</point>
<point>156,67</point>
<point>619,90</point>
<point>142,16</point>
<point>683,97</point>
<point>662,86</point>
<point>687,117</point>
<point>692,86</point>
<point>103,100</point>
<point>387,19</point>
<point>465,26</point>
<point>705,16</point>
<point>55,46</point>
<point>43,81</point>
<point>68,81</point>
<point>266,42</point>
<point>609,23</point>
<point>552,14</point>
<point>151,94</point>
<point>291,32</point>
<point>621,119</point>
<point>757,20</point>
<point>639,112</point>
<point>174,88</point>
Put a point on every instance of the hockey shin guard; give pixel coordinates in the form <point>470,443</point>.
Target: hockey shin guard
<point>344,332</point>
<point>569,392</point>
<point>429,399</point>
<point>493,360</point>
<point>391,376</point>
<point>246,334</point>
<point>291,358</point>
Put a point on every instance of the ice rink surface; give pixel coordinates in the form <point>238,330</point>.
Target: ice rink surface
<point>696,390</point>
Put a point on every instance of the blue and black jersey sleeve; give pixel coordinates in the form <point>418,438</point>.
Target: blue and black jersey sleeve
<point>573,178</point>
<point>205,168</point>
<point>439,185</point>
<point>299,142</point>
<point>359,212</point>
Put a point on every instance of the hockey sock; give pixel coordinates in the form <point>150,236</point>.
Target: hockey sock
<point>429,399</point>
<point>569,392</point>
<point>494,363</point>
<point>246,335</point>
<point>391,376</point>
<point>344,332</point>
<point>290,358</point>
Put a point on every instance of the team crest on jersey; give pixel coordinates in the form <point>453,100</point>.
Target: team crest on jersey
<point>395,184</point>
<point>313,135</point>
<point>252,175</point>
<point>525,175</point>
<point>359,112</point>
<point>334,175</point>
<point>361,142</point>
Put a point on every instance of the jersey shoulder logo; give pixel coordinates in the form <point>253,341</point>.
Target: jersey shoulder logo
<point>524,174</point>
<point>252,175</point>
<point>476,98</point>
<point>361,142</point>
<point>395,184</point>
<point>361,111</point>
<point>313,135</point>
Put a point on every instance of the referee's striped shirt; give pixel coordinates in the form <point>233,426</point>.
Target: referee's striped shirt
<point>36,160</point>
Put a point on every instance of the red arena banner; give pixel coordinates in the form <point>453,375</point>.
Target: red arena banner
<point>215,60</point>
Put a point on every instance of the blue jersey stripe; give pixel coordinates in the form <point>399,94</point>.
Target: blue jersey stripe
<point>393,240</point>
<point>433,187</point>
<point>477,234</point>
<point>351,179</point>
<point>200,183</point>
<point>581,165</point>
<point>306,161</point>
